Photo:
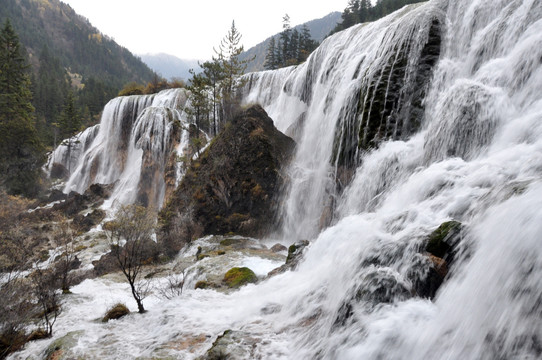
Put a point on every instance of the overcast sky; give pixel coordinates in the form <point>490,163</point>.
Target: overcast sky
<point>190,29</point>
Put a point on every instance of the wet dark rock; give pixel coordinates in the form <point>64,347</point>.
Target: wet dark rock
<point>278,248</point>
<point>443,241</point>
<point>232,345</point>
<point>237,243</point>
<point>94,196</point>
<point>61,348</point>
<point>379,285</point>
<point>59,171</point>
<point>233,187</point>
<point>295,251</point>
<point>382,286</point>
<point>390,104</point>
<point>97,192</point>
<point>87,222</point>
<point>105,265</point>
<point>56,195</point>
<point>271,308</point>
<point>434,264</point>
<point>295,254</point>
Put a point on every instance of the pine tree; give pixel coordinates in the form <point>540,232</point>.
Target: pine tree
<point>285,40</point>
<point>21,152</point>
<point>293,48</point>
<point>199,102</point>
<point>228,55</point>
<point>69,124</point>
<point>271,62</point>
<point>306,44</point>
<point>214,73</point>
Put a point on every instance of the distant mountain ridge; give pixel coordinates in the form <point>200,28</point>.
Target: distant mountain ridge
<point>170,66</point>
<point>319,29</point>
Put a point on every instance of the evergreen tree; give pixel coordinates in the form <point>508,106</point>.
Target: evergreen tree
<point>271,62</point>
<point>198,111</point>
<point>285,40</point>
<point>21,152</point>
<point>214,73</point>
<point>364,11</point>
<point>51,88</point>
<point>69,125</point>
<point>293,48</point>
<point>228,56</point>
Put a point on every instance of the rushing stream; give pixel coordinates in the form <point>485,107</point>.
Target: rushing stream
<point>474,156</point>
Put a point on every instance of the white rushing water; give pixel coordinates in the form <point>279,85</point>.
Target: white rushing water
<point>134,134</point>
<point>477,159</point>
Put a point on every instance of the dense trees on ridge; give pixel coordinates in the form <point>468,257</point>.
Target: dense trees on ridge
<point>360,11</point>
<point>292,47</point>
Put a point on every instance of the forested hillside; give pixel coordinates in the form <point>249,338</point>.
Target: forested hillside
<point>67,54</point>
<point>318,30</point>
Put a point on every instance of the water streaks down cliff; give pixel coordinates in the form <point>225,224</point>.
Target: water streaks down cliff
<point>134,144</point>
<point>459,138</point>
<point>360,87</point>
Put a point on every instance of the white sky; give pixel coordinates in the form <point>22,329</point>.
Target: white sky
<point>190,29</point>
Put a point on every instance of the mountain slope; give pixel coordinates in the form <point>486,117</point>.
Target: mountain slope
<point>80,47</point>
<point>319,29</point>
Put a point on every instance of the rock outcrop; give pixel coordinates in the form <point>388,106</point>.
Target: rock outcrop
<point>233,186</point>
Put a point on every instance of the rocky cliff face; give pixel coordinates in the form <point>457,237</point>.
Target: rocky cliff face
<point>233,187</point>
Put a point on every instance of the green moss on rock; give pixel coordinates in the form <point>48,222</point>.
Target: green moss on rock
<point>237,277</point>
<point>437,242</point>
<point>202,284</point>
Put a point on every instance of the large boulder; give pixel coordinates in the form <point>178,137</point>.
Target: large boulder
<point>233,186</point>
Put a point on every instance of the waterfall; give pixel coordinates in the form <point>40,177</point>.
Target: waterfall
<point>132,146</point>
<point>428,117</point>
<point>472,152</point>
<point>361,86</point>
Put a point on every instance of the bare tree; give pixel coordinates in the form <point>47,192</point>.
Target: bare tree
<point>67,258</point>
<point>174,285</point>
<point>128,235</point>
<point>45,289</point>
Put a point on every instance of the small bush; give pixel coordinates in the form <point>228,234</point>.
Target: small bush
<point>116,312</point>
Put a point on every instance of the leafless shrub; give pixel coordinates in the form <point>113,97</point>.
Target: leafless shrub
<point>174,284</point>
<point>128,235</point>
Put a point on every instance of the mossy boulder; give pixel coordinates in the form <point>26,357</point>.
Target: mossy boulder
<point>116,312</point>
<point>441,241</point>
<point>233,186</point>
<point>434,264</point>
<point>239,276</point>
